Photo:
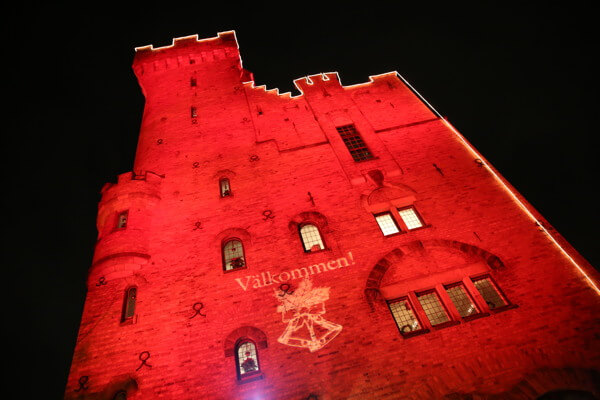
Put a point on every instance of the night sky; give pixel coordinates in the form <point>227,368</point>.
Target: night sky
<point>517,81</point>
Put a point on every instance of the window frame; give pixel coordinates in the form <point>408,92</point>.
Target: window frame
<point>451,321</point>
<point>309,223</point>
<point>223,258</point>
<point>407,299</point>
<point>343,131</point>
<point>221,191</point>
<point>120,214</point>
<point>507,304</point>
<point>480,313</point>
<point>247,376</point>
<point>398,209</point>
<point>400,231</point>
<point>125,319</point>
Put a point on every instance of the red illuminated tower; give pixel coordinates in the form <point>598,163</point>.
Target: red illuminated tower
<point>346,243</point>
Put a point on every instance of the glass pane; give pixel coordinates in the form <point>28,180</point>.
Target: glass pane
<point>387,224</point>
<point>233,253</point>
<point>463,303</point>
<point>433,308</point>
<point>410,218</point>
<point>354,142</point>
<point>247,359</point>
<point>130,304</point>
<point>225,190</point>
<point>122,223</point>
<point>489,293</point>
<point>404,316</point>
<point>311,238</point>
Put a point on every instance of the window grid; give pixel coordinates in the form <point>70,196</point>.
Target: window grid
<point>410,218</point>
<point>387,224</point>
<point>311,238</point>
<point>488,291</point>
<point>404,316</point>
<point>233,254</point>
<point>354,142</point>
<point>433,308</point>
<point>247,359</point>
<point>462,301</point>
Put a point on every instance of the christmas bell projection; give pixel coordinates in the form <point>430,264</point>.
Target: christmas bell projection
<point>343,243</point>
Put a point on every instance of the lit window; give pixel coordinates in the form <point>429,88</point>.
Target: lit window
<point>354,142</point>
<point>387,224</point>
<point>246,358</point>
<point>461,299</point>
<point>233,255</point>
<point>410,218</point>
<point>129,304</point>
<point>225,187</point>
<point>311,238</point>
<point>404,316</point>
<point>433,308</point>
<point>488,291</point>
<point>122,220</point>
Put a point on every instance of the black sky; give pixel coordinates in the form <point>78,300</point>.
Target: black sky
<point>517,80</point>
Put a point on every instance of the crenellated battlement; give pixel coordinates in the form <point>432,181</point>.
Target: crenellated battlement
<point>322,81</point>
<point>130,184</point>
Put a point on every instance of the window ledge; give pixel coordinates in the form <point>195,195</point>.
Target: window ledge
<point>317,251</point>
<point>503,308</point>
<point>445,325</point>
<point>234,269</point>
<point>419,228</point>
<point>476,316</point>
<point>414,333</point>
<point>251,378</point>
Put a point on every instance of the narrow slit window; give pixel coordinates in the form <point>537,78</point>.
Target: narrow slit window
<point>194,112</point>
<point>225,187</point>
<point>120,395</point>
<point>129,304</point>
<point>489,292</point>
<point>233,255</point>
<point>461,300</point>
<point>354,142</point>
<point>246,359</point>
<point>192,82</point>
<point>311,238</point>
<point>411,219</point>
<point>387,224</point>
<point>433,308</point>
<point>122,220</point>
<point>404,316</point>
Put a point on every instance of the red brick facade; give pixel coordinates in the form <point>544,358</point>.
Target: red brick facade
<point>212,270</point>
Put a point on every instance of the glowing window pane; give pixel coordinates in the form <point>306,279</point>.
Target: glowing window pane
<point>233,255</point>
<point>247,358</point>
<point>311,238</point>
<point>387,224</point>
<point>410,218</point>
<point>489,293</point>
<point>463,303</point>
<point>404,316</point>
<point>433,308</point>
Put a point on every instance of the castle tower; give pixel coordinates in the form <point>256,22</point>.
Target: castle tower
<point>344,243</point>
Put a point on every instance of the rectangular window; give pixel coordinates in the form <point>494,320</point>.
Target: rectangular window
<point>192,82</point>
<point>433,307</point>
<point>387,224</point>
<point>404,316</point>
<point>122,220</point>
<point>193,112</point>
<point>354,142</point>
<point>489,292</point>
<point>410,218</point>
<point>461,299</point>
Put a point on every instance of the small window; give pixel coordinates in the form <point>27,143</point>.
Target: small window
<point>246,358</point>
<point>404,316</point>
<point>192,82</point>
<point>387,224</point>
<point>489,292</point>
<point>122,220</point>
<point>233,255</point>
<point>129,304</point>
<point>225,188</point>
<point>120,395</point>
<point>354,142</point>
<point>433,308</point>
<point>461,300</point>
<point>311,238</point>
<point>411,219</point>
<point>194,112</point>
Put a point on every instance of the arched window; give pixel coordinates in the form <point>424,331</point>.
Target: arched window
<point>225,187</point>
<point>129,304</point>
<point>246,359</point>
<point>311,238</point>
<point>233,255</point>
<point>120,395</point>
